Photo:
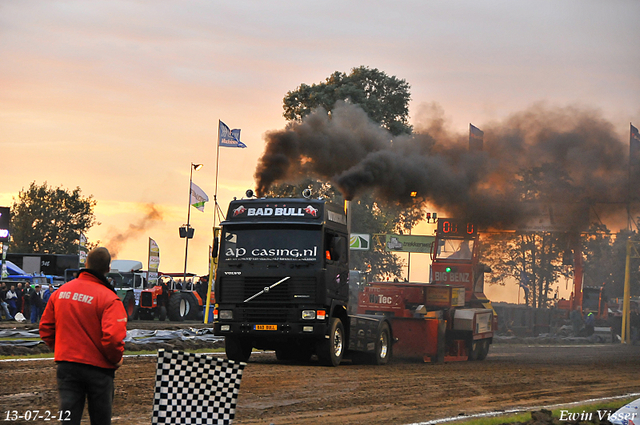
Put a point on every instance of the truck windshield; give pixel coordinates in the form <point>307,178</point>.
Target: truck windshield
<point>455,249</point>
<point>263,244</point>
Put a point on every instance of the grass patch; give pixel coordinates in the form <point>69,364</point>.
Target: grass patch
<point>611,405</point>
<point>199,351</point>
<point>21,339</point>
<point>126,353</point>
<point>28,356</point>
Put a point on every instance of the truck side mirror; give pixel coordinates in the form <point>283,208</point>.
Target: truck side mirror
<point>214,250</point>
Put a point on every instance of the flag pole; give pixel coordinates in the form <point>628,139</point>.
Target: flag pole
<point>215,194</point>
<point>186,244</point>
<point>212,261</point>
<point>633,154</point>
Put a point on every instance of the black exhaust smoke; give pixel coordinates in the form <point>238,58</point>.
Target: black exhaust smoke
<point>572,155</point>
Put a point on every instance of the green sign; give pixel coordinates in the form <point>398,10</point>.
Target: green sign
<point>406,243</point>
<point>360,241</point>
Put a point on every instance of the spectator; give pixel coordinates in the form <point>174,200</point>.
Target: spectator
<point>12,300</point>
<point>85,324</point>
<point>576,321</point>
<point>47,294</point>
<point>3,304</point>
<point>20,297</point>
<point>589,321</point>
<point>634,322</point>
<point>35,300</point>
<point>26,300</point>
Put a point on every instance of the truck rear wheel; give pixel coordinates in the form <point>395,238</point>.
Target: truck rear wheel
<point>330,350</point>
<point>237,349</point>
<point>382,352</point>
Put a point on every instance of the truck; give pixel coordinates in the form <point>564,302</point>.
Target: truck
<point>283,284</point>
<point>45,264</point>
<point>15,275</point>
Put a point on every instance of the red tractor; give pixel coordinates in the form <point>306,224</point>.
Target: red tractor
<point>170,299</point>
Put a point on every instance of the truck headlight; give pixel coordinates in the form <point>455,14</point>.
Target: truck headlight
<point>226,314</point>
<point>308,314</point>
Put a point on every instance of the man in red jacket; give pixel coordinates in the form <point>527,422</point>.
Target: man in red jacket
<point>85,324</point>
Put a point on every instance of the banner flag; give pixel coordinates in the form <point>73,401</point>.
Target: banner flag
<point>229,138</point>
<point>476,138</point>
<point>154,262</point>
<point>634,163</point>
<point>5,248</point>
<point>195,389</point>
<point>82,251</point>
<point>198,197</point>
<point>634,146</point>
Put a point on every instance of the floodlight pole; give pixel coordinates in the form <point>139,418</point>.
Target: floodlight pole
<point>186,245</point>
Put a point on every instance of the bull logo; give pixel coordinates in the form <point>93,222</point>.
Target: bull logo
<point>241,209</point>
<point>311,211</point>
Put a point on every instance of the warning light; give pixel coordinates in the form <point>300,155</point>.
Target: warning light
<point>448,269</point>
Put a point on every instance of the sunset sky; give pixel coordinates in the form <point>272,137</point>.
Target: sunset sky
<point>120,97</point>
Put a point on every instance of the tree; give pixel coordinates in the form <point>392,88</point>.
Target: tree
<point>50,220</point>
<point>531,258</point>
<point>534,259</point>
<point>385,99</point>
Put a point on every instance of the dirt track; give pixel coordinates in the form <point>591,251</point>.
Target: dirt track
<point>399,393</point>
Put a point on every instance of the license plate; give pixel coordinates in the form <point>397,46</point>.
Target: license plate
<point>265,327</point>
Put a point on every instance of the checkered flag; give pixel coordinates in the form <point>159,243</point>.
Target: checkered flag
<point>195,389</point>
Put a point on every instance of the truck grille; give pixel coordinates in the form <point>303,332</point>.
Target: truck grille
<point>265,315</point>
<point>236,289</point>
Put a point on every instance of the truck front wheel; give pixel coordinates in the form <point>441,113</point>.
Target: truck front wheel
<point>237,349</point>
<point>330,350</point>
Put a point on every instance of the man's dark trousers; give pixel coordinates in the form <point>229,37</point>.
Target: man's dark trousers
<point>77,381</point>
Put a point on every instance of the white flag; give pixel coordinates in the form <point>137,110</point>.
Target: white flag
<point>198,197</point>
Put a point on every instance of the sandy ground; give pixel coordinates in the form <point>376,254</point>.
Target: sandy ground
<point>399,393</point>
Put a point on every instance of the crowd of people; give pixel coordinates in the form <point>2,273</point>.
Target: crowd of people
<point>21,297</point>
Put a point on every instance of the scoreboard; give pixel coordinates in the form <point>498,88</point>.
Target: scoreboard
<point>453,227</point>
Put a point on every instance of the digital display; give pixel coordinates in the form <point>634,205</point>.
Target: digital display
<point>5,219</point>
<point>453,227</point>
